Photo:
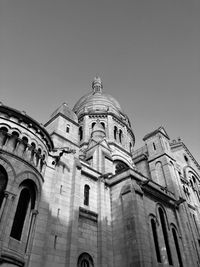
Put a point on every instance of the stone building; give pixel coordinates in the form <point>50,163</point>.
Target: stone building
<point>74,192</point>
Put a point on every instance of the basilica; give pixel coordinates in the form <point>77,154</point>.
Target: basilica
<point>76,193</point>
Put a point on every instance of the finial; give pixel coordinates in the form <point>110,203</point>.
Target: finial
<point>97,85</point>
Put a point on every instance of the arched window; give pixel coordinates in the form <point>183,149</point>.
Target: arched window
<point>86,195</point>
<point>3,183</point>
<point>177,247</point>
<point>13,140</point>
<point>93,124</point>
<point>80,133</point>
<point>165,235</point>
<point>33,146</point>
<point>38,155</point>
<point>3,135</point>
<point>120,135</point>
<point>155,238</point>
<point>115,132</point>
<point>85,260</point>
<point>25,204</point>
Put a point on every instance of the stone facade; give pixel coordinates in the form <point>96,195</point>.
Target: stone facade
<point>74,192</point>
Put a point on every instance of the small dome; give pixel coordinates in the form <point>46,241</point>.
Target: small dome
<point>66,111</point>
<point>97,101</point>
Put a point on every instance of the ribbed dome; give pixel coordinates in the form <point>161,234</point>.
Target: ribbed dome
<point>97,101</point>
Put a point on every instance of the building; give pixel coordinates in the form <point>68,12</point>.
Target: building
<point>74,192</point>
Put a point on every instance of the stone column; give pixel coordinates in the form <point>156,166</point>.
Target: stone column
<point>29,243</point>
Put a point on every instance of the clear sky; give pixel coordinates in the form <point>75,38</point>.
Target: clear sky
<point>147,53</point>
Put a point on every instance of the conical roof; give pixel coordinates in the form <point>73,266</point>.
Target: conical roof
<point>65,110</point>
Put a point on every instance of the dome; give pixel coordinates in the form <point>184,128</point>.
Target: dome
<point>66,111</point>
<point>96,100</point>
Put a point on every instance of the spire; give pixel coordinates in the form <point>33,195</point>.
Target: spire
<point>97,85</point>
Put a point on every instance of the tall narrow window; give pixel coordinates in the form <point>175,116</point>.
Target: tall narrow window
<point>81,133</point>
<point>177,247</point>
<point>26,202</point>
<point>120,135</point>
<point>165,235</point>
<point>86,195</point>
<point>115,133</point>
<point>154,146</point>
<point>155,238</point>
<point>67,128</point>
<point>3,183</point>
<point>3,135</point>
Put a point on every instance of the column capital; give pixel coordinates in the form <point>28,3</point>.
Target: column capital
<point>9,195</point>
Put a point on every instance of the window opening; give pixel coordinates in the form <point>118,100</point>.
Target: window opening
<point>3,183</point>
<point>26,203</point>
<point>103,124</point>
<point>3,133</point>
<point>55,241</point>
<point>115,133</point>
<point>164,229</point>
<point>85,260</point>
<point>86,195</point>
<point>177,247</point>
<point>186,158</point>
<point>81,133</point>
<point>67,128</point>
<point>120,135</point>
<point>20,214</point>
<point>155,237</point>
<point>154,146</point>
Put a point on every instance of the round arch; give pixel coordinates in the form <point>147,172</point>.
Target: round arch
<point>85,260</point>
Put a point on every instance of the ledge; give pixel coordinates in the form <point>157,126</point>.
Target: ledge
<point>88,214</point>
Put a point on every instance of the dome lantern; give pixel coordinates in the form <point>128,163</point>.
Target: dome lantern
<point>97,85</point>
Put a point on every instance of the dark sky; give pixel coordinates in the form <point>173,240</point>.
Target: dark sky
<point>147,53</point>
